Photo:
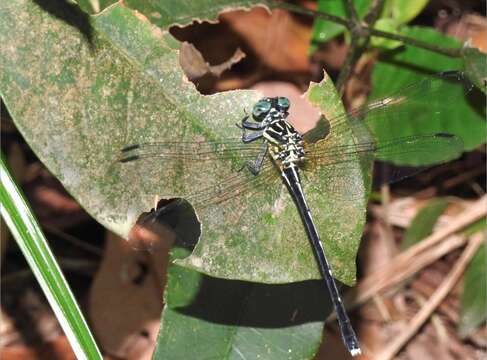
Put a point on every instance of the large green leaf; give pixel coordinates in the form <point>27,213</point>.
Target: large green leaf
<point>82,87</point>
<point>228,319</point>
<point>243,320</point>
<point>450,111</point>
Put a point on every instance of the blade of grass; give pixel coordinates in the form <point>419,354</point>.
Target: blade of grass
<point>31,240</point>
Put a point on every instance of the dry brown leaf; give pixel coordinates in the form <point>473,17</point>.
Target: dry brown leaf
<point>126,298</point>
<point>279,40</point>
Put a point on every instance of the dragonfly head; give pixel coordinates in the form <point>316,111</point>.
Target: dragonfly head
<point>275,107</point>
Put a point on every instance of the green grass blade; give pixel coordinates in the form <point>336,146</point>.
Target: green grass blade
<point>31,240</point>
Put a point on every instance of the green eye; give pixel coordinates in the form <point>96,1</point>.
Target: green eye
<point>283,102</point>
<point>261,109</point>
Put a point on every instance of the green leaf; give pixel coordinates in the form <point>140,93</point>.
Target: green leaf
<point>275,249</point>
<point>394,14</point>
<point>403,11</point>
<point>475,67</point>
<point>473,301</point>
<point>228,319</point>
<point>326,30</point>
<point>460,115</point>
<point>184,12</point>
<point>388,25</point>
<point>31,241</point>
<point>94,6</point>
<point>80,88</point>
<point>422,224</point>
<point>239,319</point>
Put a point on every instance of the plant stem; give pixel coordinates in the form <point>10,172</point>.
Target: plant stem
<point>375,9</point>
<point>358,43</point>
<point>321,15</point>
<point>451,52</point>
<point>367,30</point>
<point>352,13</point>
<point>353,53</point>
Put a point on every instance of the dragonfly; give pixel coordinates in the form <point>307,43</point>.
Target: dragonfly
<point>273,149</point>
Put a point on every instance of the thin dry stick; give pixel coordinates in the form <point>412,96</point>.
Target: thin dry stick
<point>375,282</point>
<point>389,279</point>
<point>412,266</point>
<point>434,301</point>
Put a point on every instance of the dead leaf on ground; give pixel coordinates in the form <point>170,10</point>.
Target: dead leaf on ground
<point>126,298</point>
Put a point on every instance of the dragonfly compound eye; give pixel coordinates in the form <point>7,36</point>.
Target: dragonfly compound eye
<point>261,109</point>
<point>283,103</point>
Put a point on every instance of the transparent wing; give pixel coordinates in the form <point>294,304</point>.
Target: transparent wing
<point>336,152</point>
<point>420,101</point>
<point>173,154</point>
<point>436,148</point>
<point>191,151</point>
<point>235,186</point>
<point>350,140</point>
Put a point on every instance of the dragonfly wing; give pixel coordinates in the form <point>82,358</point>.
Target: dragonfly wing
<point>212,178</point>
<point>350,147</point>
<point>337,161</point>
<point>190,150</point>
<point>242,184</point>
<point>229,199</point>
<point>179,168</point>
<point>421,103</point>
<point>206,186</point>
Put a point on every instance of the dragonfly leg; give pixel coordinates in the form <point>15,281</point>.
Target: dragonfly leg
<point>254,126</point>
<point>247,138</point>
<point>251,125</point>
<point>256,166</point>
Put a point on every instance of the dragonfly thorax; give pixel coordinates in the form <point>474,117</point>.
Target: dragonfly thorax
<point>286,145</point>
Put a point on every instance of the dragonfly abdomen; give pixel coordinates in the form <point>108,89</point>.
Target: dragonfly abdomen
<point>287,146</point>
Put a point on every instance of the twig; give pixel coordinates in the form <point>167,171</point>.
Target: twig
<point>353,53</point>
<point>72,239</point>
<point>446,286</point>
<point>352,13</point>
<point>374,12</point>
<point>319,14</point>
<point>462,177</point>
<point>394,275</point>
<point>447,309</point>
<point>368,31</point>
<point>403,263</point>
<point>358,44</point>
<point>440,329</point>
<point>451,52</point>
<point>67,264</point>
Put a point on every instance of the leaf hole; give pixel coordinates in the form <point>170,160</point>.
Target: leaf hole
<point>171,224</point>
<point>208,50</point>
<point>245,47</point>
